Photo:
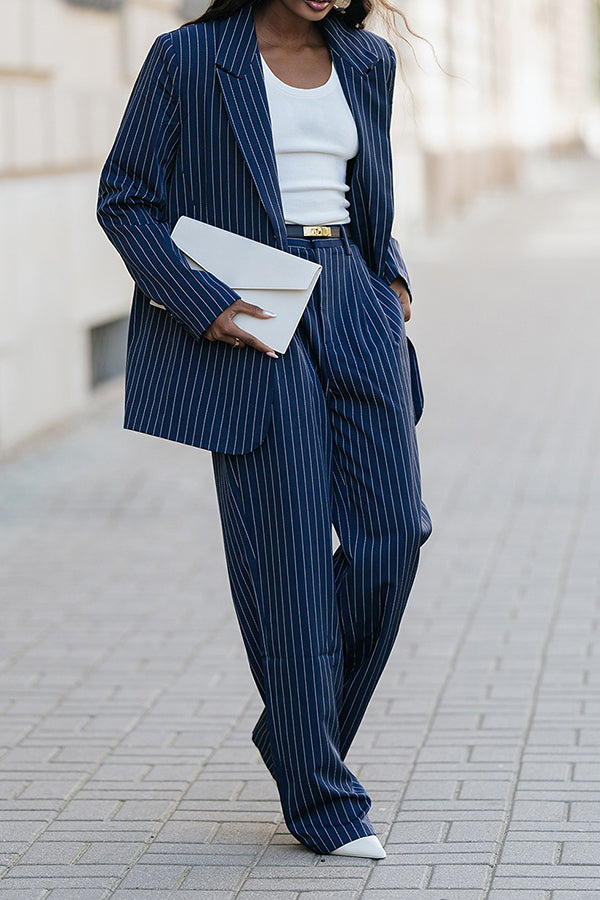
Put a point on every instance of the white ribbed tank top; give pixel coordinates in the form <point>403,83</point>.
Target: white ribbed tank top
<point>314,135</point>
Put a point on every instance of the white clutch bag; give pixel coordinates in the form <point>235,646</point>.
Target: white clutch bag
<point>266,276</point>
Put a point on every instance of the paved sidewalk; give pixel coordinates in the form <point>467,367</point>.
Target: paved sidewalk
<point>126,766</point>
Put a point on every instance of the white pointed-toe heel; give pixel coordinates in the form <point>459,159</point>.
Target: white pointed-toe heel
<point>367,847</point>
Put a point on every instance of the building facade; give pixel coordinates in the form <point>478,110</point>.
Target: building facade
<point>522,77</point>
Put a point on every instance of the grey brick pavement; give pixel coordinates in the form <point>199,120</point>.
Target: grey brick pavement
<point>126,766</point>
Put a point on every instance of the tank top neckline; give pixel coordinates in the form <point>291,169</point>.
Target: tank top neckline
<point>298,91</point>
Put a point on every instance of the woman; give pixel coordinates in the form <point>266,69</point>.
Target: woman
<point>268,118</point>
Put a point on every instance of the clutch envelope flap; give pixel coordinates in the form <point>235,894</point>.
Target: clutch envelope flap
<point>242,263</point>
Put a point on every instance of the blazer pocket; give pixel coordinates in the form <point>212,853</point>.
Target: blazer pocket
<point>416,385</point>
<point>391,306</point>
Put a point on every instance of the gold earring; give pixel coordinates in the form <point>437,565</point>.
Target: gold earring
<point>342,5</point>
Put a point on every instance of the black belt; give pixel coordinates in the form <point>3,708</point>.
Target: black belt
<point>317,231</point>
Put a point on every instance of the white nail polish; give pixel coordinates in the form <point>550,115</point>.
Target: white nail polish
<point>269,313</point>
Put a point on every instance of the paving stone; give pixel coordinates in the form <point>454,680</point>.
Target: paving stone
<point>154,876</point>
<point>586,772</point>
<point>484,790</point>
<point>584,811</point>
<point>473,832</point>
<point>514,894</point>
<point>284,856</point>
<point>243,833</point>
<point>549,882</point>
<point>582,894</point>
<point>110,852</point>
<point>160,894</point>
<point>12,831</point>
<point>52,852</point>
<point>195,858</point>
<point>538,810</point>
<point>273,887</point>
<point>76,894</point>
<point>415,832</point>
<point>282,895</point>
<point>459,876</point>
<point>46,880</point>
<point>124,832</point>
<point>431,790</point>
<point>203,877</point>
<point>580,851</point>
<point>539,771</point>
<point>529,852</point>
<point>438,853</point>
<point>416,894</point>
<point>545,871</point>
<point>32,893</point>
<point>134,810</point>
<point>395,877</point>
<point>82,810</point>
<point>321,895</point>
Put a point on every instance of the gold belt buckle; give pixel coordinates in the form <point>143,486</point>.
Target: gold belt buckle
<point>316,230</point>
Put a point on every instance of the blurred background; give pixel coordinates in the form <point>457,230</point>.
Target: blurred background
<point>523,85</point>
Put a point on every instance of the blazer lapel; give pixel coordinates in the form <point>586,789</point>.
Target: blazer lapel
<point>241,78</point>
<point>240,75</point>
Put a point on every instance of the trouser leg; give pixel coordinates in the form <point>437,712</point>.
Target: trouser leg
<point>381,524</point>
<point>377,509</point>
<point>275,506</point>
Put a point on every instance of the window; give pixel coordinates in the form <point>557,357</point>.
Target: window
<point>107,350</point>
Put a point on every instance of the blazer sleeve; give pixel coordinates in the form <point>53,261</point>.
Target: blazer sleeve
<point>394,265</point>
<point>132,198</point>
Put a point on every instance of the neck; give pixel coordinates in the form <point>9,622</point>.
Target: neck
<point>282,27</point>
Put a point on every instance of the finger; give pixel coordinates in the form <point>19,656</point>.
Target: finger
<point>252,341</point>
<point>252,309</point>
<point>227,336</point>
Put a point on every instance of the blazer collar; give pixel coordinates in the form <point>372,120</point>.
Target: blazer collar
<point>238,44</point>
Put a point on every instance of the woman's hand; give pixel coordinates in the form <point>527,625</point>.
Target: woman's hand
<point>399,287</point>
<point>224,328</point>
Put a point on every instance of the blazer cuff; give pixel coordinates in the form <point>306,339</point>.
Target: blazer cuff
<point>395,267</point>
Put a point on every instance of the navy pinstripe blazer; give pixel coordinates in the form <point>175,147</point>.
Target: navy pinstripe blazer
<point>196,140</point>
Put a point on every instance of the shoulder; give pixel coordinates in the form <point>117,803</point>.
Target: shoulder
<point>196,40</point>
<point>371,46</point>
<point>376,43</point>
<point>387,56</point>
<point>384,50</point>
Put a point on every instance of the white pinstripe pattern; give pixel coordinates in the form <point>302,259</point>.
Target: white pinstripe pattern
<point>318,628</point>
<point>196,140</point>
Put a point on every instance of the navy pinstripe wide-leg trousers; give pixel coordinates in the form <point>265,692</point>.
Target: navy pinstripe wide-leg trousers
<point>318,626</point>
